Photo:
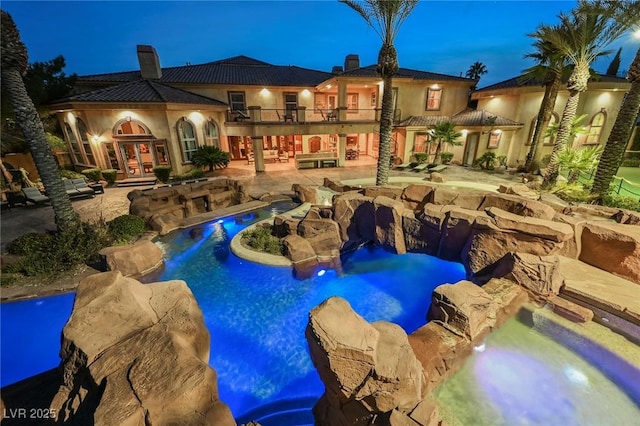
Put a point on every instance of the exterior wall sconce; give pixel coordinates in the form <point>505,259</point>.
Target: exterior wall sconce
<point>603,110</point>
<point>128,118</point>
<point>95,139</point>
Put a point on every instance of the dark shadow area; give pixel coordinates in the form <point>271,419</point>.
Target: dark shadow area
<point>27,402</point>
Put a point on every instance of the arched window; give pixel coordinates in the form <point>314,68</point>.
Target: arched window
<point>76,154</point>
<point>211,135</point>
<point>128,126</point>
<point>595,128</point>
<point>84,138</point>
<point>548,140</point>
<point>187,136</point>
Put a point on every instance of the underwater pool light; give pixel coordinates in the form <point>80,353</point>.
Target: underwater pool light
<point>220,221</point>
<point>479,348</point>
<point>321,272</point>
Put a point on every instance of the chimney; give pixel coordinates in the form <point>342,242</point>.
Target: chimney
<point>351,62</point>
<point>149,62</point>
<point>336,70</point>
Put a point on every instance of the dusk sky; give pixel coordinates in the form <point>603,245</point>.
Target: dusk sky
<point>440,36</point>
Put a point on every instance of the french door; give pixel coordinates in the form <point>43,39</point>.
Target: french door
<point>141,157</point>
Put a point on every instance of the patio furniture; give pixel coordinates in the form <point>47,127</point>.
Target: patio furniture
<point>438,168</point>
<point>332,115</point>
<point>241,116</point>
<point>404,165</point>
<point>352,154</point>
<point>283,156</point>
<point>82,187</point>
<point>420,167</point>
<point>34,195</point>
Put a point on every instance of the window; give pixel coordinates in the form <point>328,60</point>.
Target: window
<point>434,97</point>
<point>237,101</point>
<point>86,145</point>
<point>422,141</point>
<point>110,151</point>
<point>187,137</point>
<point>76,154</point>
<point>290,101</point>
<point>494,139</point>
<point>373,98</point>
<point>352,102</point>
<point>211,136</point>
<point>129,127</point>
<point>595,128</point>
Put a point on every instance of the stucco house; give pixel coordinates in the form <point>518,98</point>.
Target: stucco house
<point>263,113</point>
<point>519,98</point>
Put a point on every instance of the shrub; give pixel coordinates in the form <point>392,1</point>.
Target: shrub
<point>572,192</point>
<point>260,238</point>
<point>210,156</point>
<point>631,162</point>
<point>621,202</point>
<point>421,157</point>
<point>162,173</point>
<point>126,228</point>
<point>70,174</point>
<point>58,251</point>
<point>486,162</point>
<point>93,175</point>
<point>29,243</point>
<point>446,157</point>
<point>193,174</point>
<point>110,176</point>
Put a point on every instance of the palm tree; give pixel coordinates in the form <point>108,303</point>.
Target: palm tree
<point>620,133</point>
<point>476,70</point>
<point>578,160</point>
<point>582,36</point>
<point>550,69</point>
<point>385,17</point>
<point>14,59</point>
<point>446,133</point>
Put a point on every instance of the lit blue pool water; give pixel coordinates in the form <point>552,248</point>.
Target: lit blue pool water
<point>257,314</point>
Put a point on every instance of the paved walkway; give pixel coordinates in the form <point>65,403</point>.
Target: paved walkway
<point>277,179</point>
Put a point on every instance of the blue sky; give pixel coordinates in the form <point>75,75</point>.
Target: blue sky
<point>439,36</point>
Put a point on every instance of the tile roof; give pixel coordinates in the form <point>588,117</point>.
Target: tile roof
<point>142,91</point>
<point>239,70</point>
<point>468,118</point>
<point>370,71</point>
<point>523,81</point>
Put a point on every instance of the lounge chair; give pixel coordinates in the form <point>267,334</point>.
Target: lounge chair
<point>438,168</point>
<point>34,195</point>
<point>71,188</point>
<point>403,165</point>
<point>82,187</point>
<point>420,167</point>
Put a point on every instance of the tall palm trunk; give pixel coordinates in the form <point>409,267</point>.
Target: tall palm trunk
<point>387,66</point>
<point>544,116</point>
<point>14,58</point>
<point>620,133</point>
<point>577,84</point>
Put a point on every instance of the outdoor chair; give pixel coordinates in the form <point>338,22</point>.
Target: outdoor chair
<point>438,168</point>
<point>420,167</point>
<point>34,195</point>
<point>404,165</point>
<point>82,187</point>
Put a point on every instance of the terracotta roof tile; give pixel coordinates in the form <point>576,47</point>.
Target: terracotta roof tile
<point>466,118</point>
<point>523,81</point>
<point>143,91</point>
<point>370,71</point>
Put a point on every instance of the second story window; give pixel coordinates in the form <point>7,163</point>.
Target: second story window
<point>237,101</point>
<point>352,102</point>
<point>187,136</point>
<point>595,128</point>
<point>434,96</point>
<point>290,101</point>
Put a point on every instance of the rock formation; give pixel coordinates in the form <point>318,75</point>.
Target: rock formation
<point>137,354</point>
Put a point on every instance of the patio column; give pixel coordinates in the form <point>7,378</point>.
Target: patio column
<point>342,94</point>
<point>342,113</point>
<point>342,149</point>
<point>255,112</point>
<point>258,155</point>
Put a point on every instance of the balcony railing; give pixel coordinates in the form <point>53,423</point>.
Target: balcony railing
<point>303,115</point>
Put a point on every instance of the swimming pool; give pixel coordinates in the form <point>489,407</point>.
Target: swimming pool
<point>257,314</point>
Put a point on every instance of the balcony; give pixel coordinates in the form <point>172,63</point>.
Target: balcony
<point>301,115</point>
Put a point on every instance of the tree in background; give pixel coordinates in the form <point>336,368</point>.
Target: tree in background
<point>550,69</point>
<point>620,133</point>
<point>582,36</point>
<point>614,66</point>
<point>444,133</point>
<point>14,59</point>
<point>385,17</point>
<point>44,82</point>
<point>476,71</point>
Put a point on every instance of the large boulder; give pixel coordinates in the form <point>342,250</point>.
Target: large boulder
<point>305,193</point>
<point>419,236</point>
<point>323,235</point>
<point>389,233</point>
<point>518,205</point>
<point>133,260</point>
<point>456,230</point>
<point>416,196</point>
<point>355,215</point>
<point>554,231</point>
<point>366,366</point>
<point>537,274</point>
<point>137,354</point>
<point>467,199</point>
<point>393,192</point>
<point>464,309</point>
<point>612,247</point>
